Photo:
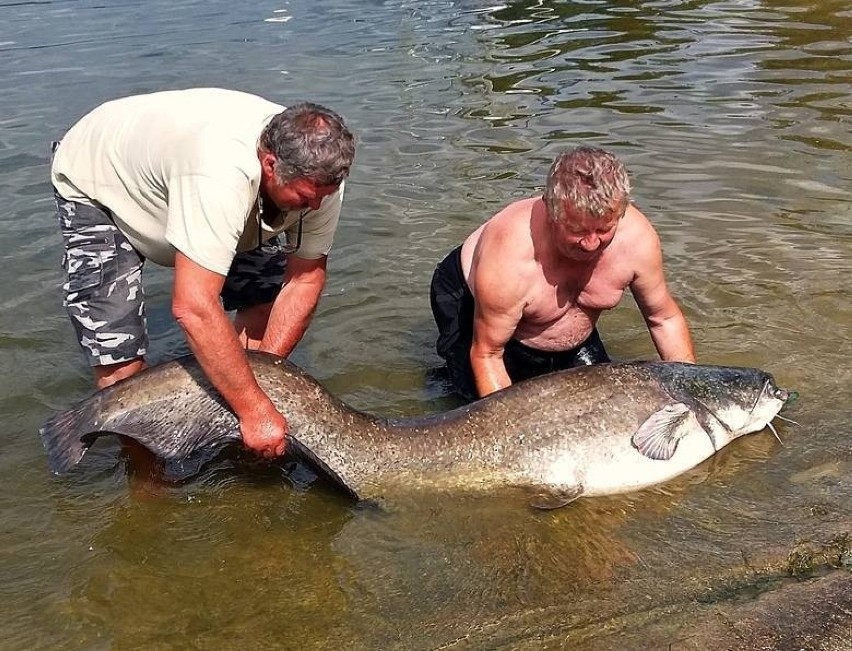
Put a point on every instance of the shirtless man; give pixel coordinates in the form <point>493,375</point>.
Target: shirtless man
<point>522,295</point>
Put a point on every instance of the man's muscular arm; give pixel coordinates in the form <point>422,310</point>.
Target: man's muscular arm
<point>666,322</point>
<point>499,304</point>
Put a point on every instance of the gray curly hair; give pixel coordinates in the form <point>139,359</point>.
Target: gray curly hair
<point>309,141</point>
<point>591,181</point>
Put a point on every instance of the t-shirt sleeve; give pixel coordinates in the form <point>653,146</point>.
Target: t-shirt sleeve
<point>206,217</point>
<point>319,227</point>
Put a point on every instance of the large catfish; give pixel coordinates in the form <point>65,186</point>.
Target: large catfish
<point>594,430</point>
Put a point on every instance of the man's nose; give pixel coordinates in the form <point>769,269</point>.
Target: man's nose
<point>590,243</point>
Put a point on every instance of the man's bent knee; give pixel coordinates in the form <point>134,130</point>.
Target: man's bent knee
<point>109,374</point>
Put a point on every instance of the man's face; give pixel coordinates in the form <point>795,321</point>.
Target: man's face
<point>583,238</point>
<point>298,194</point>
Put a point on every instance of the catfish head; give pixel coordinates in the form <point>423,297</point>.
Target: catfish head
<point>725,402</point>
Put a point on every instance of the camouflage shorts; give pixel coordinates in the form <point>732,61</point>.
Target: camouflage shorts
<point>103,292</point>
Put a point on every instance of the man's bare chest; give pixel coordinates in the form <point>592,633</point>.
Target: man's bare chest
<point>561,317</point>
<point>550,301</point>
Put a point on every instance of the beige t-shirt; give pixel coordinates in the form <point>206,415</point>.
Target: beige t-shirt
<point>179,171</point>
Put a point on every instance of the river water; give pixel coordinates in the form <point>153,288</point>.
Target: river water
<point>734,120</point>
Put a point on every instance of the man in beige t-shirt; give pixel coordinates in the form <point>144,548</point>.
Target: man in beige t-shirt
<point>204,180</point>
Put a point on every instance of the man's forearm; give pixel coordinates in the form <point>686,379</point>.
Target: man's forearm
<point>214,342</point>
<point>489,373</point>
<point>673,340</point>
<point>291,314</point>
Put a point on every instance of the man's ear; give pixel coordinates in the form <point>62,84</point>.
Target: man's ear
<point>267,163</point>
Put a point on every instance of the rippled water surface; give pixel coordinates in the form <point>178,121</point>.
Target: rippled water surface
<point>734,120</point>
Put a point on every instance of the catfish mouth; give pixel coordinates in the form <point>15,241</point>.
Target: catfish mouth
<point>770,390</point>
<point>768,403</point>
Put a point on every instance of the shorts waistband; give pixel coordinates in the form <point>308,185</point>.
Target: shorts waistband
<point>555,356</point>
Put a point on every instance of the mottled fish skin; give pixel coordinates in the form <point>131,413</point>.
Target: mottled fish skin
<point>593,430</point>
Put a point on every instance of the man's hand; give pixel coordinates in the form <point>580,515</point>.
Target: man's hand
<point>265,432</point>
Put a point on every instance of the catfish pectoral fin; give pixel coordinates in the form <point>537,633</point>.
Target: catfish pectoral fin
<point>555,497</point>
<point>658,436</point>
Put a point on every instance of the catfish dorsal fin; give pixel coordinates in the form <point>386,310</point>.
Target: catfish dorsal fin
<point>658,437</point>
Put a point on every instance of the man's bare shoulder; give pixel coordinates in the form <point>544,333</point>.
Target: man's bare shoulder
<point>636,234</point>
<point>635,221</point>
<point>502,249</point>
<point>508,233</point>
<point>514,217</point>
<point>636,248</point>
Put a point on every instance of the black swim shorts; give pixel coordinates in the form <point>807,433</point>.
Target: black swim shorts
<point>453,306</point>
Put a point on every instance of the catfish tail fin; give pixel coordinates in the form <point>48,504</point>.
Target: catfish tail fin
<point>69,434</point>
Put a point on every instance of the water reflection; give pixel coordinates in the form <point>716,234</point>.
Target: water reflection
<point>211,560</point>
